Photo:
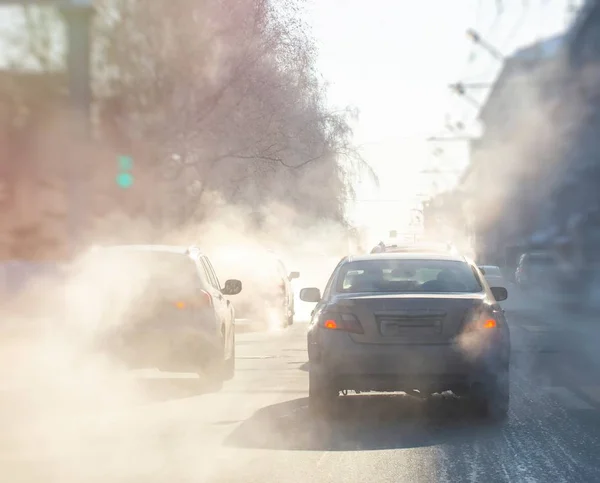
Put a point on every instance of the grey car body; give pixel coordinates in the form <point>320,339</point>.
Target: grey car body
<point>407,330</point>
<point>163,306</point>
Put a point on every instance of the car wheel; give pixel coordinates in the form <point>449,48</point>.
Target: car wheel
<point>491,399</point>
<point>229,370</point>
<point>322,394</point>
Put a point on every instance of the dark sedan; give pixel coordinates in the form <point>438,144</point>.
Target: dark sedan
<point>406,321</point>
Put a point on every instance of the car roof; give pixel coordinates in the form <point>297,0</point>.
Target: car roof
<point>408,256</point>
<point>490,266</point>
<point>175,249</point>
<point>419,247</point>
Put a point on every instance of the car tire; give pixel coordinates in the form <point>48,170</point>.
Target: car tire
<point>322,394</point>
<point>492,398</point>
<point>229,370</point>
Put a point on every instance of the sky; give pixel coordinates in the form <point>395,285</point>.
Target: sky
<point>394,60</point>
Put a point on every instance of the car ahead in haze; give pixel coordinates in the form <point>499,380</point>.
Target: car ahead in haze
<point>493,275</point>
<point>163,307</point>
<point>405,321</point>
<point>535,269</point>
<point>269,295</point>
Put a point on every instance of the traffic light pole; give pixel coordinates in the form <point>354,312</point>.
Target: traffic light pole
<point>78,16</point>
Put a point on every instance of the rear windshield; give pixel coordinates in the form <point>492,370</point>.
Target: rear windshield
<point>407,276</point>
<point>140,271</point>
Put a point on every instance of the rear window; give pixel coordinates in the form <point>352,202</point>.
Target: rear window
<point>493,271</point>
<point>407,276</point>
<point>165,272</point>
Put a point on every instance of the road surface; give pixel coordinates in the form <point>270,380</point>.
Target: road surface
<point>256,429</point>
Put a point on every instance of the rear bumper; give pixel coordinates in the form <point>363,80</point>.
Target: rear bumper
<point>385,367</point>
<point>177,347</point>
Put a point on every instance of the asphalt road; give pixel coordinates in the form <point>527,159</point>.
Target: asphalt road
<point>160,427</point>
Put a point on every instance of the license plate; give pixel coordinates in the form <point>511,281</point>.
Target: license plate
<point>393,328</point>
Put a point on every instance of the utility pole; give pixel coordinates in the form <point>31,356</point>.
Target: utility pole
<point>460,88</point>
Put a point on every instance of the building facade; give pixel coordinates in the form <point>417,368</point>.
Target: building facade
<point>534,177</point>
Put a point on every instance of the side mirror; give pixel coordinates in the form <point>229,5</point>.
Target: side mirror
<point>312,295</point>
<point>482,270</point>
<point>500,293</point>
<point>293,275</point>
<point>232,287</point>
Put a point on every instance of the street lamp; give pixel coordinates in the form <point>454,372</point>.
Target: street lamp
<point>460,89</point>
<point>476,38</point>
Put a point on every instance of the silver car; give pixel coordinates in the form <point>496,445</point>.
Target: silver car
<point>404,321</point>
<point>493,275</point>
<point>164,307</point>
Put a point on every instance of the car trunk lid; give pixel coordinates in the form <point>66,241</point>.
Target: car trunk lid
<point>409,318</point>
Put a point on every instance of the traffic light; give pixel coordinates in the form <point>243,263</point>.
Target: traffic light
<point>125,175</point>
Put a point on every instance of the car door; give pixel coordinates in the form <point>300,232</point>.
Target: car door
<point>222,304</point>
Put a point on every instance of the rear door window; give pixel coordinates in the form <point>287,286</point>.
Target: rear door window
<point>329,286</point>
<point>212,276</point>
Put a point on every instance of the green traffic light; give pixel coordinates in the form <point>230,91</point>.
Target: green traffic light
<point>124,180</point>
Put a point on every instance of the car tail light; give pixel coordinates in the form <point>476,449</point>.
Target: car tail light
<point>204,299</point>
<point>480,320</point>
<point>342,322</point>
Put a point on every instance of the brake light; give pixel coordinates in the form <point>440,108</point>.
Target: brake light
<point>342,322</point>
<point>204,299</point>
<point>480,320</point>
